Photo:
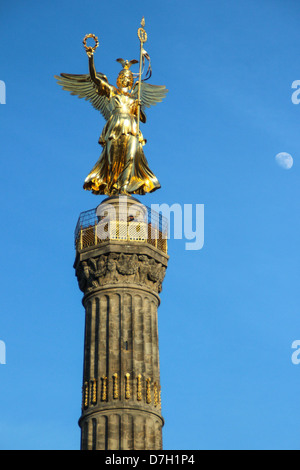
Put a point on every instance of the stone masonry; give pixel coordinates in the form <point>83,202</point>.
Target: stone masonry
<point>121,394</point>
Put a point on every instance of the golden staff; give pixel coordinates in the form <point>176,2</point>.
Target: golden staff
<point>142,35</point>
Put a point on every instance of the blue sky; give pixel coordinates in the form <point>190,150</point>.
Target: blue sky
<point>229,312</point>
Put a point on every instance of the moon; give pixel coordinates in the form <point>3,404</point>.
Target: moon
<point>284,160</point>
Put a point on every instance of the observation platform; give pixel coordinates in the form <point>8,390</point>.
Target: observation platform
<point>121,219</point>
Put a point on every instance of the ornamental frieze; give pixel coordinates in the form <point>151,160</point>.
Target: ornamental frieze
<point>120,268</point>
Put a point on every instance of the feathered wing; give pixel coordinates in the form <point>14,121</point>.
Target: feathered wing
<point>150,94</point>
<point>84,87</point>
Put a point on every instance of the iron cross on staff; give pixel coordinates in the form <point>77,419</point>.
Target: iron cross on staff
<point>142,35</point>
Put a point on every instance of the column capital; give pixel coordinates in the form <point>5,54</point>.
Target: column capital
<point>112,269</point>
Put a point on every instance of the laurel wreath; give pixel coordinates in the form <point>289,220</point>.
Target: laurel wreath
<point>87,36</point>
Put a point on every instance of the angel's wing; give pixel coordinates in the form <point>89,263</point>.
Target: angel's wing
<point>150,94</point>
<point>84,87</point>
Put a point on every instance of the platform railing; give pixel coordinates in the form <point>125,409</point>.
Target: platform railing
<point>115,230</point>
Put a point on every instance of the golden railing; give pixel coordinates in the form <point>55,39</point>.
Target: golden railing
<point>102,232</point>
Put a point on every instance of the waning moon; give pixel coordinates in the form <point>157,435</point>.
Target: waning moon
<point>284,160</point>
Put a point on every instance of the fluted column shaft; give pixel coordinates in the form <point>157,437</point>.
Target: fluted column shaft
<point>121,404</point>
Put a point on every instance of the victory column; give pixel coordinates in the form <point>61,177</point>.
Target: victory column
<point>121,260</point>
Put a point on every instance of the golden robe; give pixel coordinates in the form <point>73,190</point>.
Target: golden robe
<point>122,166</point>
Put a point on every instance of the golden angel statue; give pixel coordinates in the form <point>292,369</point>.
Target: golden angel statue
<point>122,167</point>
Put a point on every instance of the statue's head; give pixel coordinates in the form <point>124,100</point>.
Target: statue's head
<point>125,77</point>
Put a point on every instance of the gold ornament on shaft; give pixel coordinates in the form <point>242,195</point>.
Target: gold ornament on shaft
<point>148,391</point>
<point>127,386</point>
<point>139,387</point>
<point>115,386</point>
<point>94,391</point>
<point>104,388</point>
<point>86,394</point>
<point>155,391</point>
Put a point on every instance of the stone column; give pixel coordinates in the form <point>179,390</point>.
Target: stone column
<point>121,405</point>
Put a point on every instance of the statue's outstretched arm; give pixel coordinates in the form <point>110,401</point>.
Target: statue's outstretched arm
<point>93,72</point>
<point>102,85</point>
